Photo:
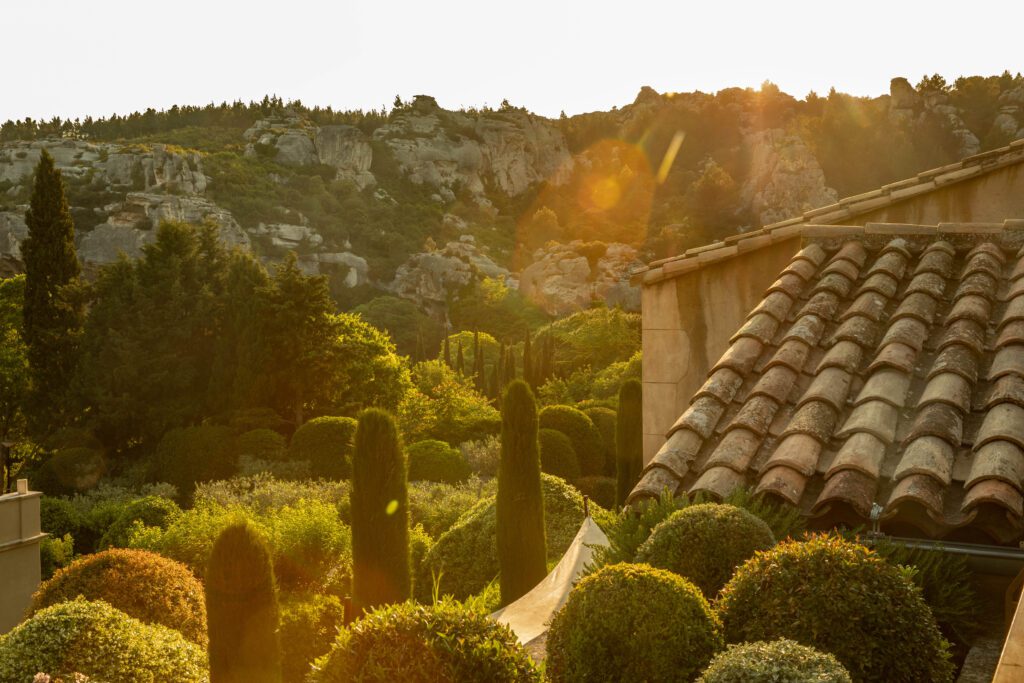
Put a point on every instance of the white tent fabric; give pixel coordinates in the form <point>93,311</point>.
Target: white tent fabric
<point>528,616</point>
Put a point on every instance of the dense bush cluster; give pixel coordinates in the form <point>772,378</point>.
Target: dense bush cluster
<point>582,434</point>
<point>780,661</point>
<point>326,443</point>
<point>434,460</point>
<point>557,456</point>
<point>101,642</point>
<point>840,598</point>
<point>630,622</point>
<point>421,644</point>
<point>308,627</point>
<point>154,511</point>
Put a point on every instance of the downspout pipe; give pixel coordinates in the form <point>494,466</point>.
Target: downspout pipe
<point>986,559</point>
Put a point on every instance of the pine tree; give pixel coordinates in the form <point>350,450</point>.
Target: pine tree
<point>380,514</point>
<point>629,440</point>
<point>520,504</point>
<point>242,614</point>
<point>53,308</point>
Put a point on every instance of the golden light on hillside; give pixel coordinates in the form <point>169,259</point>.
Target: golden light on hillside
<point>669,157</point>
<point>602,193</point>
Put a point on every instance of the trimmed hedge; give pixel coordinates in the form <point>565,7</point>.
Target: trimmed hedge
<point>308,627</point>
<point>188,455</point>
<point>582,433</point>
<point>149,510</point>
<point>780,661</point>
<point>601,490</point>
<point>434,460</point>
<point>143,585</point>
<point>419,644</point>
<point>466,556</point>
<point>604,419</point>
<point>557,456</point>
<point>705,543</point>
<point>840,598</point>
<point>101,642</point>
<point>631,622</point>
<point>260,444</point>
<point>326,443</point>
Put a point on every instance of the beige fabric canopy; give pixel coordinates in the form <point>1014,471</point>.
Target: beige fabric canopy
<point>528,616</point>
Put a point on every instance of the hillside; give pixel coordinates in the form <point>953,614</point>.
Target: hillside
<point>426,203</point>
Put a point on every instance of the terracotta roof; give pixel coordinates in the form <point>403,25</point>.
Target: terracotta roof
<point>845,209</point>
<point>884,366</point>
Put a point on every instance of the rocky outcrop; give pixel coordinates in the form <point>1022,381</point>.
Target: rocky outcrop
<point>784,178</point>
<point>909,108</point>
<point>287,236</point>
<point>433,278</point>
<point>293,141</point>
<point>12,231</point>
<point>126,167</point>
<point>347,149</point>
<point>565,278</point>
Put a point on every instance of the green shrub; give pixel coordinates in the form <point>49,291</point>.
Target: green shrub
<point>582,433</point>
<point>242,610</point>
<point>69,471</point>
<point>632,526</point>
<point>840,598</point>
<point>419,644</point>
<point>59,516</point>
<point>629,622</point>
<point>779,661</point>
<point>420,544</point>
<point>149,510</point>
<point>438,506</point>
<point>308,627</point>
<point>55,552</point>
<point>380,514</point>
<point>705,543</point>
<point>601,490</point>
<point>189,455</point>
<point>465,557</point>
<point>557,456</point>
<point>262,493</point>
<point>143,585</point>
<point>629,440</point>
<point>101,642</point>
<point>326,442</point>
<point>604,419</point>
<point>433,460</point>
<point>260,444</point>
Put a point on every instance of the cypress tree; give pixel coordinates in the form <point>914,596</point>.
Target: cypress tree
<point>629,440</point>
<point>510,368</point>
<point>528,361</point>
<point>447,352</point>
<point>479,373</point>
<point>242,614</point>
<point>520,504</point>
<point>52,311</point>
<point>380,514</point>
<point>460,361</point>
<point>494,384</point>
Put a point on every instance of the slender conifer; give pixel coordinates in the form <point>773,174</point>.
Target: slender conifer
<point>629,440</point>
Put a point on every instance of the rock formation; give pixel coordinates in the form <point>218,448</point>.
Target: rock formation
<point>565,278</point>
<point>784,177</point>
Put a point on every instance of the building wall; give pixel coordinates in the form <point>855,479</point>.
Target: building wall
<point>19,555</point>
<point>687,323</point>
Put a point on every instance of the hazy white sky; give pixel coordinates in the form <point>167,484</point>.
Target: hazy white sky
<point>73,57</point>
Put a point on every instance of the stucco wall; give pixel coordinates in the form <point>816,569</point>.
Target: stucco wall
<point>19,555</point>
<point>687,323</point>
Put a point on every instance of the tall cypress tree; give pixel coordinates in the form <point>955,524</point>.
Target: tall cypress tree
<point>447,352</point>
<point>242,613</point>
<point>479,369</point>
<point>53,310</point>
<point>460,361</point>
<point>629,440</point>
<point>380,514</point>
<point>520,503</point>
<point>528,361</point>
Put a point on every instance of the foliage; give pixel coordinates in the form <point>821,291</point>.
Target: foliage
<point>421,644</point>
<point>557,456</point>
<point>188,455</point>
<point>444,405</point>
<point>308,627</point>
<point>380,514</point>
<point>601,490</point>
<point>705,543</point>
<point>840,598</point>
<point>465,558</point>
<point>631,622</point>
<point>633,525</point>
<point>14,369</point>
<point>495,309</point>
<point>629,440</point>
<point>326,442</point>
<point>70,470</point>
<point>519,505</point>
<point>596,337</point>
<point>101,642</point>
<point>604,419</point>
<point>242,609</point>
<point>582,434</point>
<point>434,460</point>
<point>778,661</point>
<point>483,455</point>
<point>155,511</point>
<point>143,585</point>
<point>414,333</point>
<point>52,322</point>
<point>437,506</point>
<point>260,444</point>
<point>55,552</point>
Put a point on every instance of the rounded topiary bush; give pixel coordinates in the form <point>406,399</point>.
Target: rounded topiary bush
<point>631,622</point>
<point>434,460</point>
<point>557,456</point>
<point>143,585</point>
<point>188,455</point>
<point>840,598</point>
<point>705,543</point>
<point>420,644</point>
<point>601,490</point>
<point>308,627</point>
<point>69,471</point>
<point>604,419</point>
<point>57,516</point>
<point>102,642</point>
<point>780,661</point>
<point>152,511</point>
<point>326,443</point>
<point>260,444</point>
<point>465,558</point>
<point>582,433</point>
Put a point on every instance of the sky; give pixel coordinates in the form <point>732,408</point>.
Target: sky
<point>71,58</point>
